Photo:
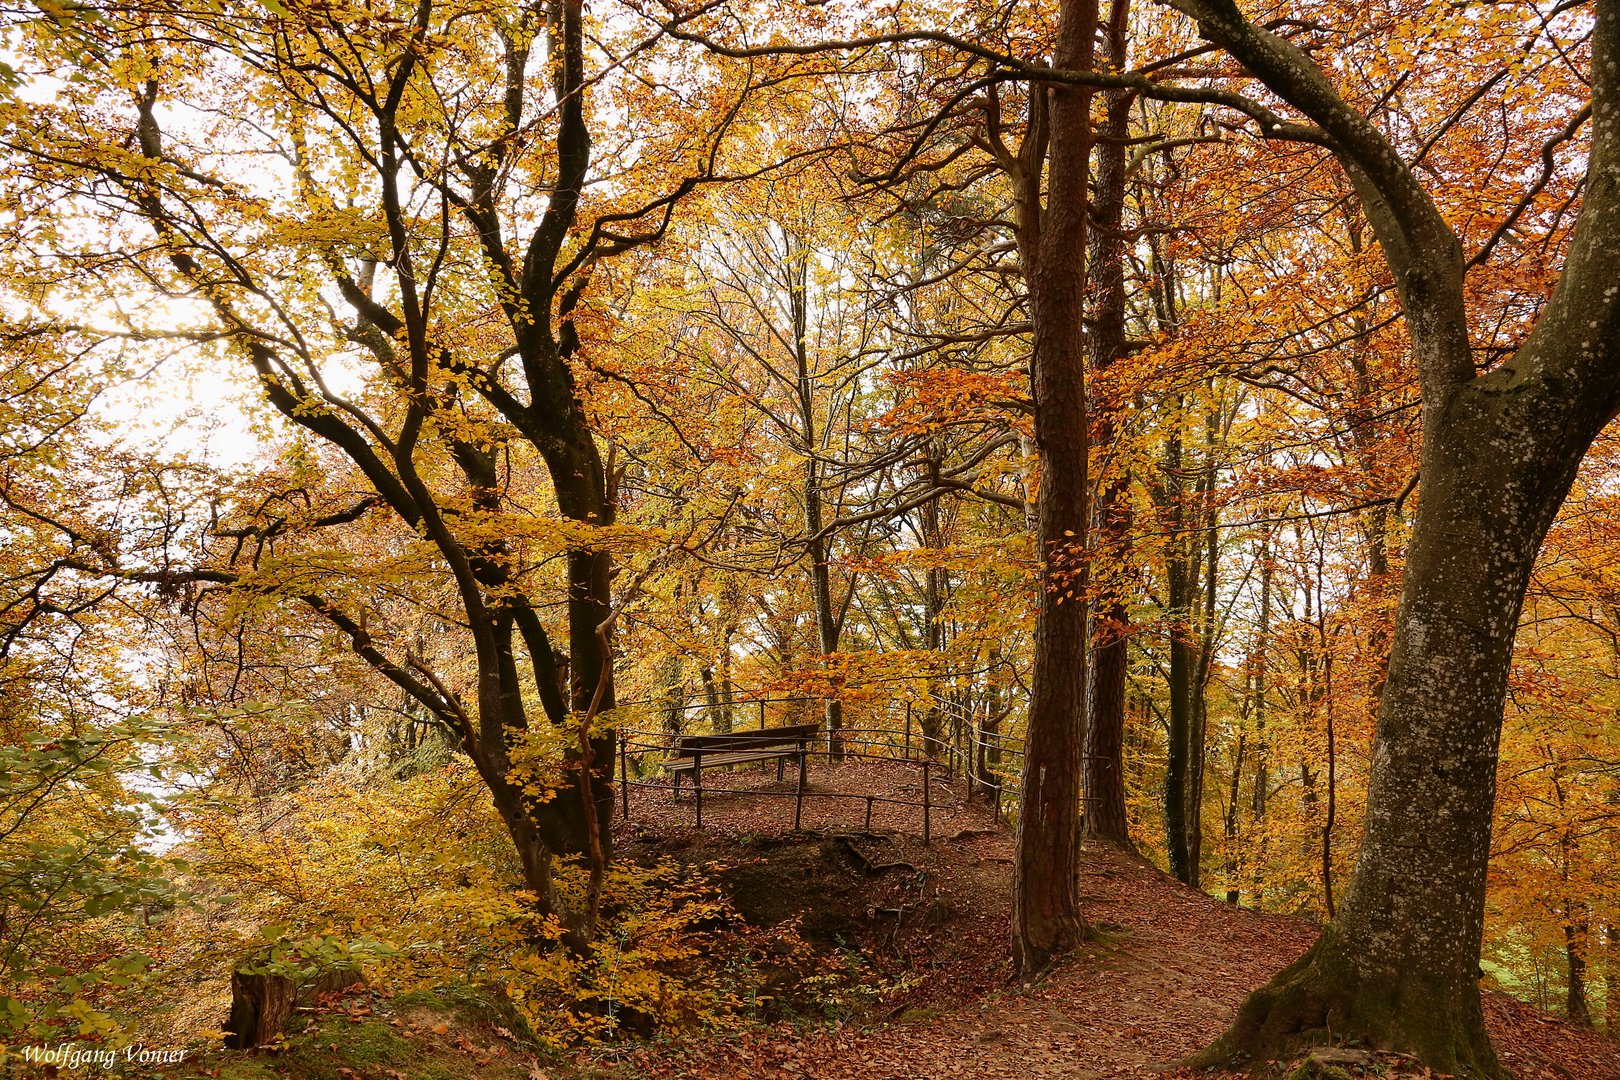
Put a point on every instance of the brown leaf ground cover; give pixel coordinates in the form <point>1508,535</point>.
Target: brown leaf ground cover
<point>918,933</point>
<point>1168,972</point>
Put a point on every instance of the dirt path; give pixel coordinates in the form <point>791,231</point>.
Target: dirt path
<point>1173,968</point>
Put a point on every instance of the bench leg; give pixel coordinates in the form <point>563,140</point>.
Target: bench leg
<point>779,763</point>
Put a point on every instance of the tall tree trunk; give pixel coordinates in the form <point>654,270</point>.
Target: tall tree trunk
<point>1104,774</point>
<point>1262,748</point>
<point>728,692</point>
<point>715,705</point>
<point>1332,788</point>
<point>1208,552</point>
<point>1234,796</point>
<point>1399,962</point>
<point>546,411</point>
<point>990,729</point>
<point>1398,967</point>
<point>1180,589</point>
<point>1611,980</point>
<point>1046,915</point>
<point>673,703</point>
<point>1577,930</point>
<point>817,549</point>
<point>935,586</point>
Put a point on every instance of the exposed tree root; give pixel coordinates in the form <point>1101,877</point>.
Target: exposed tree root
<point>867,865</point>
<point>1324,999</point>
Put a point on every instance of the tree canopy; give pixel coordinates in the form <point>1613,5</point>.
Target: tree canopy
<point>1186,425</point>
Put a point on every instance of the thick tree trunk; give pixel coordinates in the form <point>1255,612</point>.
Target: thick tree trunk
<point>1180,589</point>
<point>590,594</point>
<point>1046,916</point>
<point>1398,968</point>
<point>1576,933</point>
<point>1104,776</point>
<point>545,411</point>
<point>1104,770</point>
<point>260,1008</point>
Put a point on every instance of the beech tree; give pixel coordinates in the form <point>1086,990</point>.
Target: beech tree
<point>1398,967</point>
<point>429,233</point>
<point>1052,235</point>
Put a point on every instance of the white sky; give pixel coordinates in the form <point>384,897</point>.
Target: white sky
<point>196,407</point>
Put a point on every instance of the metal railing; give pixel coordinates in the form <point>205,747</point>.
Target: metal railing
<point>986,761</point>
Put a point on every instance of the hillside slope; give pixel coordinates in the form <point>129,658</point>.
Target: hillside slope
<point>1169,974</point>
<point>925,926</point>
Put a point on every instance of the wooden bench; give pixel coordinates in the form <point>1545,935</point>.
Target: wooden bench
<point>694,753</point>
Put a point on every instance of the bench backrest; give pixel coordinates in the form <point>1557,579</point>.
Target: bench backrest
<point>757,739</point>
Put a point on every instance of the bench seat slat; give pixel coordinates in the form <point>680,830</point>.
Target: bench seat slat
<point>756,739</point>
<point>739,747</point>
<point>686,764</point>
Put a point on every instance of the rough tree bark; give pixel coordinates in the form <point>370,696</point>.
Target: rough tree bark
<point>1052,242</point>
<point>828,628</point>
<point>1398,967</point>
<point>260,1008</point>
<point>1104,770</point>
<point>1577,930</point>
<point>1181,571</point>
<point>538,287</point>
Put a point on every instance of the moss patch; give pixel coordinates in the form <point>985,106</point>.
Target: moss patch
<point>447,1035</point>
<point>1312,1070</point>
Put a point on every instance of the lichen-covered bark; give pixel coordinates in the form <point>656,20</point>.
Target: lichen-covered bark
<point>1326,995</point>
<point>1398,967</point>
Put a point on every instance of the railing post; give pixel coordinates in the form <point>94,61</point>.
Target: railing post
<point>624,773</point>
<point>928,800</point>
<point>869,813</point>
<point>908,731</point>
<point>697,783</point>
<point>968,775</point>
<point>798,798</point>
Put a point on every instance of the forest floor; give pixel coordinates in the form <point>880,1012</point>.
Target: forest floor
<point>919,931</point>
<point>1168,973</point>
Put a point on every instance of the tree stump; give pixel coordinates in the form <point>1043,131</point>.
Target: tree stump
<point>260,1008</point>
<point>329,983</point>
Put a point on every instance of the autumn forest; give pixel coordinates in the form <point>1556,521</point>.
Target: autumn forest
<point>619,538</point>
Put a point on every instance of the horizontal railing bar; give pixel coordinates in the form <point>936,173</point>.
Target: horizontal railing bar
<point>893,739</point>
<point>808,794</point>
